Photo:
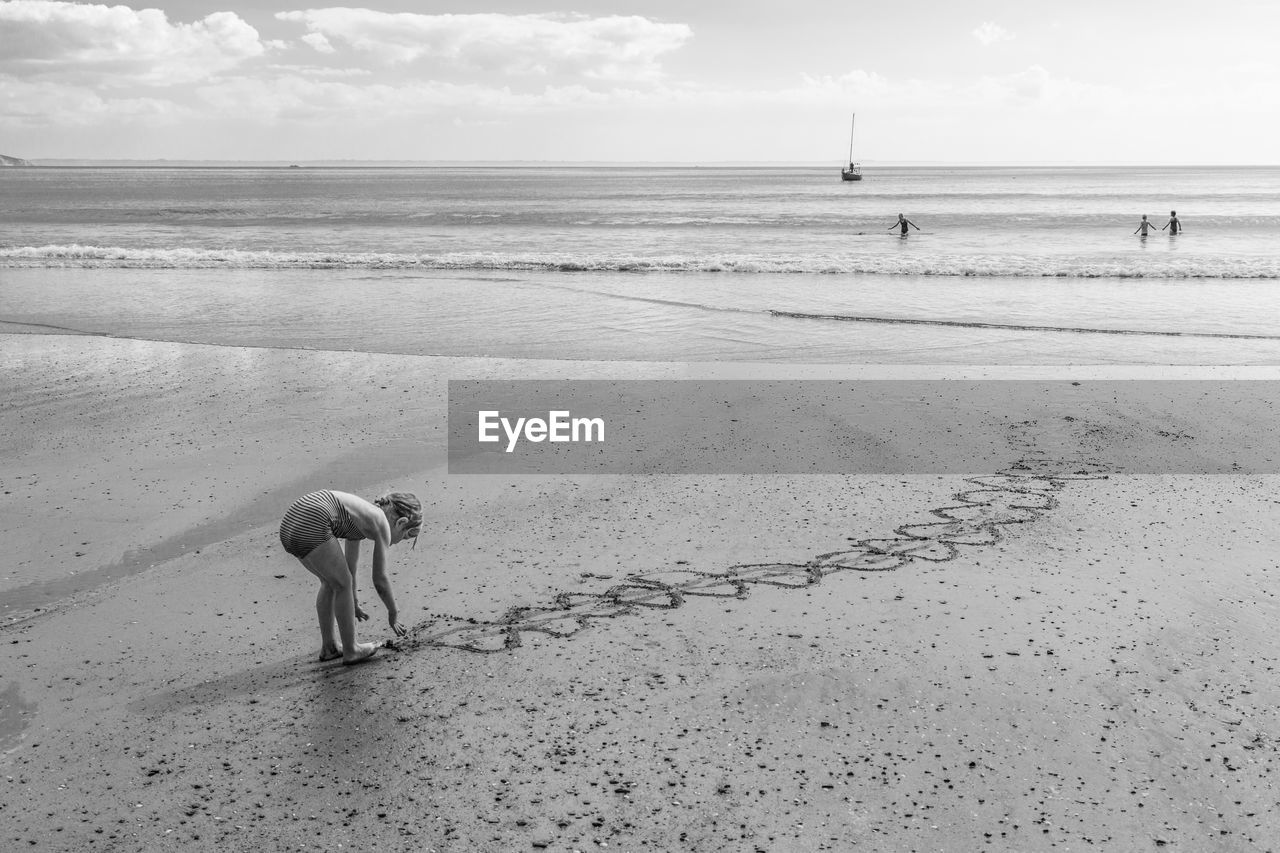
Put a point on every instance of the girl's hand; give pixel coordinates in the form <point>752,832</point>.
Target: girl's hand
<point>360,614</point>
<point>398,628</point>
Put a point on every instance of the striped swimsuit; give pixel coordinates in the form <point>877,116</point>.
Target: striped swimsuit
<point>313,520</point>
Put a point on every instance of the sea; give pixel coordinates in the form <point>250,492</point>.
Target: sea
<point>1007,265</point>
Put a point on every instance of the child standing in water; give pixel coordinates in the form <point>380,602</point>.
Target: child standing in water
<point>1143,226</point>
<point>1174,226</point>
<point>310,531</point>
<point>902,223</point>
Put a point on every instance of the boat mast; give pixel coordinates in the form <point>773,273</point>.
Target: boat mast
<point>851,123</point>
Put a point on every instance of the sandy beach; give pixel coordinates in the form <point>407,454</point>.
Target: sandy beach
<point>1049,654</point>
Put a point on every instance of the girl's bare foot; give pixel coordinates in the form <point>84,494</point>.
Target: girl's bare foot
<point>330,654</point>
<point>363,651</point>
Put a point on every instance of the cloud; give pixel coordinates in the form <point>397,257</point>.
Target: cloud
<point>607,48</point>
<point>116,45</point>
<point>1037,86</point>
<point>319,43</point>
<point>322,101</point>
<point>320,96</point>
<point>989,33</point>
<point>1031,88</point>
<point>45,104</point>
<point>856,87</point>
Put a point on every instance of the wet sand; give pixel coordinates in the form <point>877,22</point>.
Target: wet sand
<point>1054,657</point>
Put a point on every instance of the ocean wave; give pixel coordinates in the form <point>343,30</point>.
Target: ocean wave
<point>194,213</point>
<point>1018,327</point>
<point>1224,267</point>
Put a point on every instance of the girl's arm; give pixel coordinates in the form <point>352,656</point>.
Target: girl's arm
<point>353,560</point>
<point>383,586</point>
<point>372,522</point>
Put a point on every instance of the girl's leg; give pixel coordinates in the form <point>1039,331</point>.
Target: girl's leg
<point>329,648</point>
<point>328,563</point>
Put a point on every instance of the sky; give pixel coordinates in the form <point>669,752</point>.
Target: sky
<point>694,81</point>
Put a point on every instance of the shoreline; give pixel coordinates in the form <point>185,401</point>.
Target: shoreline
<point>1086,665</point>
<point>728,318</point>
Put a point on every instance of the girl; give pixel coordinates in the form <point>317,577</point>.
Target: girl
<point>310,531</point>
<point>902,223</point>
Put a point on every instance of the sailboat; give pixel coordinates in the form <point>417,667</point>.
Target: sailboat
<point>852,172</point>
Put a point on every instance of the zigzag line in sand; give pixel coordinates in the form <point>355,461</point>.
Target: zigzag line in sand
<point>1013,496</point>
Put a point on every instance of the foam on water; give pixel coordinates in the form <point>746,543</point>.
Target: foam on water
<point>1168,266</point>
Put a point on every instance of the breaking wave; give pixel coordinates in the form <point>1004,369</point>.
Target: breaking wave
<point>1213,267</point>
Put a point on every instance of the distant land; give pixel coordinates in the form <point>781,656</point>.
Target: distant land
<point>6,160</point>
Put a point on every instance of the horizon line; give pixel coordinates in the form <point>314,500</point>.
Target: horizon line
<point>814,164</point>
